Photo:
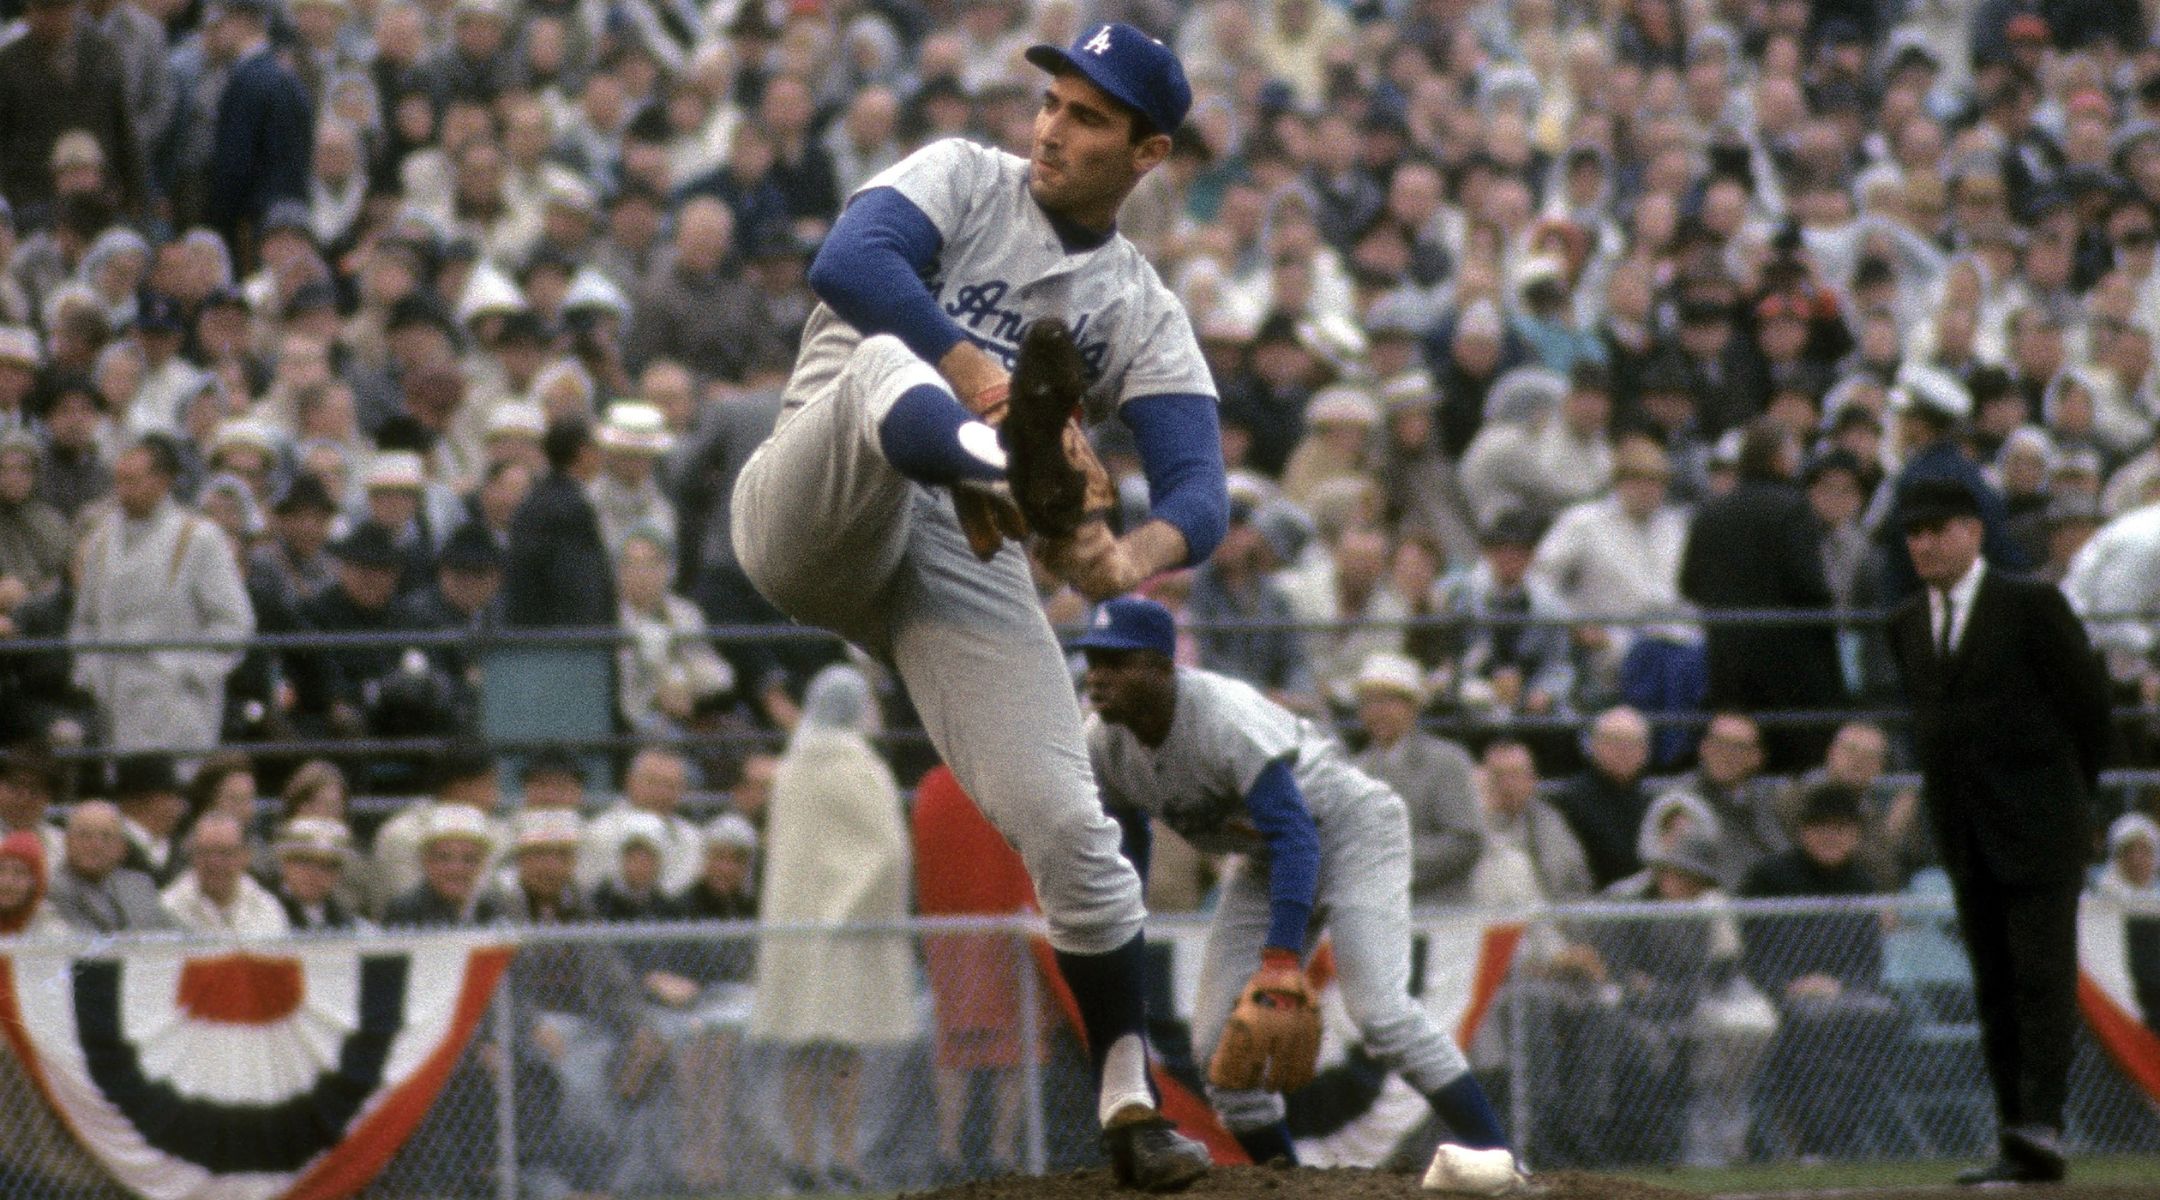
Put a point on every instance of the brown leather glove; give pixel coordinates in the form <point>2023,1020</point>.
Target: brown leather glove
<point>1273,1038</point>
<point>1057,481</point>
<point>987,516</point>
<point>988,513</point>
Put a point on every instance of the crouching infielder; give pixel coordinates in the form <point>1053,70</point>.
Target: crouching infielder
<point>1323,846</point>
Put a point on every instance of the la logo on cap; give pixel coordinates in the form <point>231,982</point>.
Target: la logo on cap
<point>1102,618</point>
<point>1100,43</point>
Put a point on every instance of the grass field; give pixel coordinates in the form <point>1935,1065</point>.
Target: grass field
<point>1800,1180</point>
<point>1778,1177</point>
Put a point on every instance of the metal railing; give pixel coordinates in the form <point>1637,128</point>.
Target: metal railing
<point>791,633</point>
<point>1625,1035</point>
<point>741,740</point>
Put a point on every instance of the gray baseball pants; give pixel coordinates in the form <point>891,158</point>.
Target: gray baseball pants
<point>835,537</point>
<point>1363,902</point>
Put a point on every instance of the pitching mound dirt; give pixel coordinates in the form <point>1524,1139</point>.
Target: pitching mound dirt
<point>2066,1191</point>
<point>1270,1183</point>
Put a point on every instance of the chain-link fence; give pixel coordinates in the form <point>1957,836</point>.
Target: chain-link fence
<point>732,1060</point>
<point>1714,1033</point>
<point>726,1059</point>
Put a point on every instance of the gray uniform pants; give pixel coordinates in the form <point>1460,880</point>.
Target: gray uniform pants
<point>1363,901</point>
<point>835,537</point>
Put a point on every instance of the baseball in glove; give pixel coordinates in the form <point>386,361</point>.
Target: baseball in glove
<point>1273,1038</point>
<point>1057,482</point>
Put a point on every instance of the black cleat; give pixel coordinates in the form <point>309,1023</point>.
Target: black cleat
<point>2038,1149</point>
<point>2002,1170</point>
<point>1047,382</point>
<point>2030,1154</point>
<point>1151,1155</point>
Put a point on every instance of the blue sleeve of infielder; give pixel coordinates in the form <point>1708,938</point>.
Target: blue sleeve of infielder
<point>871,270</point>
<point>1138,843</point>
<point>1181,453</point>
<point>1278,811</point>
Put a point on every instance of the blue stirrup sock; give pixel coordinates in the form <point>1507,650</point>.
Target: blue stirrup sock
<point>932,438</point>
<point>1113,1014</point>
<point>1266,1144</point>
<point>1468,1114</point>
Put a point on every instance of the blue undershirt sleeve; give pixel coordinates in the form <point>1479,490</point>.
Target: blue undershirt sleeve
<point>871,268</point>
<point>1293,841</point>
<point>1138,843</point>
<point>1180,444</point>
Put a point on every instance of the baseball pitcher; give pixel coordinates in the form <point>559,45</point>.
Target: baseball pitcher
<point>970,302</point>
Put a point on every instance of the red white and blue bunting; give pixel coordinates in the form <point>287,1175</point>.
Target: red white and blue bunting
<point>246,1076</point>
<point>2109,998</point>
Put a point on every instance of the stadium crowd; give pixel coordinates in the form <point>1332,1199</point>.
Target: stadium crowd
<point>1546,333</point>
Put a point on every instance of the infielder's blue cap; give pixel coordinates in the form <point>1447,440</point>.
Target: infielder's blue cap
<point>1134,68</point>
<point>1130,623</point>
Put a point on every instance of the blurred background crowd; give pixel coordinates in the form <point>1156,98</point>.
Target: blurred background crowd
<point>1550,335</point>
<point>1595,316</point>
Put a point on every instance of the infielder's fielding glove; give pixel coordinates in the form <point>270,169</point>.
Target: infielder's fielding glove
<point>1273,1038</point>
<point>1057,482</point>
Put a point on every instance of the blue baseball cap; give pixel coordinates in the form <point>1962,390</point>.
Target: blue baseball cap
<point>1137,71</point>
<point>1130,623</point>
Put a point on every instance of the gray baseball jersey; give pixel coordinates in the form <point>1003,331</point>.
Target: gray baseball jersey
<point>1002,266</point>
<point>834,536</point>
<point>1223,733</point>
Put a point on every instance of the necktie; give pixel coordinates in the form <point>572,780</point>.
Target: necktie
<point>1942,641</point>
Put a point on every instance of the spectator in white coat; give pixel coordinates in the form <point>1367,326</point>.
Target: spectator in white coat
<point>153,571</point>
<point>1619,556</point>
<point>216,894</point>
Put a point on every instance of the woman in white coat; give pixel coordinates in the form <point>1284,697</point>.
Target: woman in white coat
<point>836,854</point>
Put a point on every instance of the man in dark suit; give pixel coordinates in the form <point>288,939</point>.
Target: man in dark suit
<point>61,75</point>
<point>348,678</point>
<point>1759,547</point>
<point>466,595</point>
<point>146,788</point>
<point>2010,718</point>
<point>264,145</point>
<point>559,572</point>
<point>1927,421</point>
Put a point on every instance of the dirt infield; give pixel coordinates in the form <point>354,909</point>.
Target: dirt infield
<point>1276,1183</point>
<point>2064,1191</point>
<point>1265,1183</point>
